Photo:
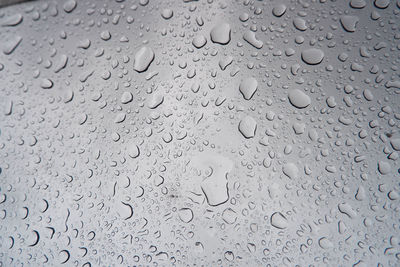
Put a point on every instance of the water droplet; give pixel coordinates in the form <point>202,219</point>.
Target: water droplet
<point>248,87</point>
<point>229,216</point>
<point>126,97</point>
<point>69,6</point>
<point>279,10</point>
<point>215,186</point>
<point>11,44</point>
<point>221,33</point>
<point>325,243</point>
<point>358,4</point>
<point>290,170</point>
<point>199,41</point>
<point>382,4</point>
<point>155,100</point>
<point>186,215</point>
<point>248,127</point>
<point>46,84</point>
<point>12,20</point>
<point>167,13</point>
<point>133,150</point>
<point>349,23</point>
<point>250,37</point>
<point>384,167</point>
<point>300,24</point>
<point>61,64</point>
<point>312,56</point>
<point>143,58</point>
<point>299,99</point>
<point>279,221</point>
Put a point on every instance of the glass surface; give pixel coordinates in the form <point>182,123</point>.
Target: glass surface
<point>200,133</point>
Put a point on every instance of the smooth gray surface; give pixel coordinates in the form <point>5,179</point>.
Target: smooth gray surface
<point>144,133</point>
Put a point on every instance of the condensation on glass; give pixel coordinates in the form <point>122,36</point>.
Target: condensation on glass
<point>200,133</point>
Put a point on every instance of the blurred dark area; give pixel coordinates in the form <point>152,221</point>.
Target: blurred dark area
<point>4,3</point>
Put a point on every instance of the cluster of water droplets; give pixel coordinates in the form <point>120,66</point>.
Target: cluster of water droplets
<point>200,133</point>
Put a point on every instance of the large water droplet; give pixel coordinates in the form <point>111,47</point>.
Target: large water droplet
<point>143,59</point>
<point>248,87</point>
<point>312,56</point>
<point>299,99</point>
<point>221,33</point>
<point>248,127</point>
<point>279,221</point>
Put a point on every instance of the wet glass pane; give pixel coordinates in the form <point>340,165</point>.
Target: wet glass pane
<point>200,133</point>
